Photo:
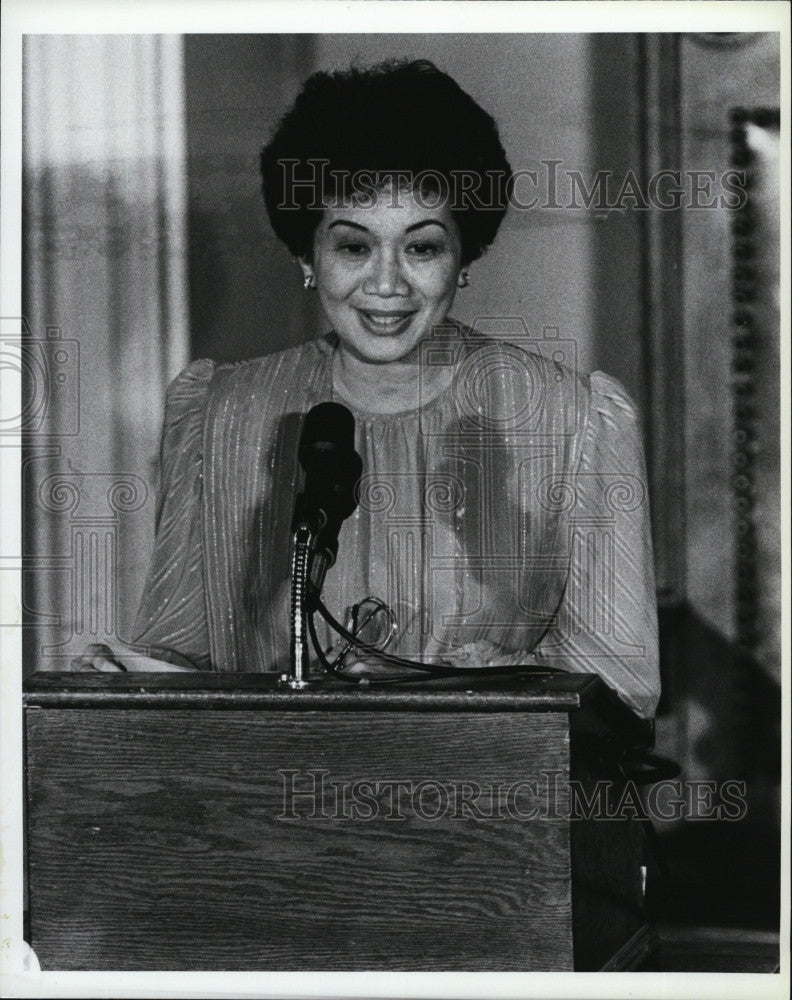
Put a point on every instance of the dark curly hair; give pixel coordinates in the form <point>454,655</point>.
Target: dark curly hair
<point>395,120</point>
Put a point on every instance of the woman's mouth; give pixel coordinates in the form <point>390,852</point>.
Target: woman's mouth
<point>380,321</point>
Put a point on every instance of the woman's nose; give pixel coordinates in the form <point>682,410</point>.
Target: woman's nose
<point>386,277</point>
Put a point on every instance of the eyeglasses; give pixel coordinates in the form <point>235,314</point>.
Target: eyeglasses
<point>372,622</point>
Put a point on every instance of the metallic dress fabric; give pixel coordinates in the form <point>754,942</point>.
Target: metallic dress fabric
<point>509,512</point>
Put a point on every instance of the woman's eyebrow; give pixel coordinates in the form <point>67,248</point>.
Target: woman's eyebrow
<point>426,222</point>
<point>409,229</point>
<point>346,222</point>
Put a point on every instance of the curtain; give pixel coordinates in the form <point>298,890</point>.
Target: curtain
<point>758,433</point>
<point>105,324</point>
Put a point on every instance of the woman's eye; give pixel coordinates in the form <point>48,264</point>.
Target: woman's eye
<point>353,249</point>
<point>423,250</point>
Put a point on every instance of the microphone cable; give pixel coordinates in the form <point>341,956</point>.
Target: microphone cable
<point>421,669</point>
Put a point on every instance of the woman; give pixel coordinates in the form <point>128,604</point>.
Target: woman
<point>503,514</point>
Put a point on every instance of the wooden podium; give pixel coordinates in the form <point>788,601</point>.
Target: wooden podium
<point>209,821</point>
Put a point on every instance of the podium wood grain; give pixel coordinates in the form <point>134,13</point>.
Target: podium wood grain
<point>159,838</point>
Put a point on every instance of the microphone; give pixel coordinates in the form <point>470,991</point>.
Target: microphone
<point>332,470</point>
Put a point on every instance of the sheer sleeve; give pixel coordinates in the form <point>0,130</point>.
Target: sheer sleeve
<point>607,620</point>
<point>171,623</point>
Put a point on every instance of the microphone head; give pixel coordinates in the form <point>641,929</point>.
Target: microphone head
<point>332,469</point>
<point>328,427</point>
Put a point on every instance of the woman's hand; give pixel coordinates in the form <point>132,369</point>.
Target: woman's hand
<point>368,666</point>
<point>98,656</point>
<point>482,653</point>
<point>362,667</point>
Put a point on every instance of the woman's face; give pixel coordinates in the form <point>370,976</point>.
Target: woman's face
<point>386,272</point>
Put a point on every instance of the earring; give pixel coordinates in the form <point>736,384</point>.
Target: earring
<point>464,279</point>
<point>308,282</point>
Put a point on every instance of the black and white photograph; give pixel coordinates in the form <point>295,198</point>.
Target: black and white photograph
<point>395,436</point>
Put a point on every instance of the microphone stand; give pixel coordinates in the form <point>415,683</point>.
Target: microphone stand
<point>308,568</point>
<point>302,546</point>
<point>332,470</point>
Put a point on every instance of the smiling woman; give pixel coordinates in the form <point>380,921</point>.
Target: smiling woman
<point>502,514</point>
<point>387,275</point>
